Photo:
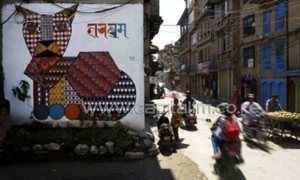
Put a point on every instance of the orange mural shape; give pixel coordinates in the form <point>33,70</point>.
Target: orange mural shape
<point>72,111</point>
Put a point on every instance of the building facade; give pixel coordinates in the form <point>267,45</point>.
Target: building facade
<point>212,52</point>
<point>168,59</point>
<point>152,22</point>
<point>292,73</point>
<point>184,51</point>
<point>249,44</point>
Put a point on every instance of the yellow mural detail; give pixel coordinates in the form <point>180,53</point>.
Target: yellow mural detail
<point>56,94</point>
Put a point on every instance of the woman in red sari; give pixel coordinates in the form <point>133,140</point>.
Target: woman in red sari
<point>235,99</point>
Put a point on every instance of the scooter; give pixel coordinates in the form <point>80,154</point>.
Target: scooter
<point>190,119</point>
<point>255,130</point>
<point>231,156</point>
<point>166,140</point>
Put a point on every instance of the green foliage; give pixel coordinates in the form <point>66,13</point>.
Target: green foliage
<point>118,127</point>
<point>21,92</point>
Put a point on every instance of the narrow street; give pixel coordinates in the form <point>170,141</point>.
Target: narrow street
<point>277,161</point>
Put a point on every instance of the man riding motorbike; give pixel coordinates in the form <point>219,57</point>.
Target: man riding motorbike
<point>253,121</point>
<point>225,133</point>
<point>252,112</point>
<point>189,101</point>
<point>189,110</point>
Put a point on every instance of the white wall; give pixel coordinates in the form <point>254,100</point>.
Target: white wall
<point>127,52</point>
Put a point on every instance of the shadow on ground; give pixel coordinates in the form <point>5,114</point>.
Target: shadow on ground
<point>224,174</point>
<point>287,143</point>
<point>257,145</point>
<point>146,169</point>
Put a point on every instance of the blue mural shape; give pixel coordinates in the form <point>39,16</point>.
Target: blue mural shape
<point>56,111</point>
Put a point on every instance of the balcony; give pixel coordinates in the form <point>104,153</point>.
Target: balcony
<point>192,27</point>
<point>255,1</point>
<point>259,1</point>
<point>155,22</point>
<point>210,2</point>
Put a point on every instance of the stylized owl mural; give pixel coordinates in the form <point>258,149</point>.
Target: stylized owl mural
<point>68,86</point>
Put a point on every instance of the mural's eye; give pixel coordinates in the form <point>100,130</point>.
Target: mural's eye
<point>62,26</point>
<point>31,27</point>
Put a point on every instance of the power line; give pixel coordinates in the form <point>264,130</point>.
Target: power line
<point>250,13</point>
<point>95,12</point>
<point>5,21</point>
<point>254,8</point>
<point>84,12</point>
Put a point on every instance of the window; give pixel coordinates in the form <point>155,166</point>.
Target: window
<point>230,5</point>
<point>266,58</point>
<point>189,3</point>
<point>200,32</point>
<point>191,18</point>
<point>208,54</point>
<point>200,56</point>
<point>249,25</point>
<point>194,39</point>
<point>217,11</point>
<point>226,7</point>
<point>279,56</point>
<point>222,10</point>
<point>200,7</point>
<point>230,41</point>
<point>249,57</point>
<point>280,13</point>
<point>205,28</point>
<point>209,27</point>
<point>267,23</point>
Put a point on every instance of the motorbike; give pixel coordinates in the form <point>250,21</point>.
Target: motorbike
<point>231,156</point>
<point>254,131</point>
<point>166,138</point>
<point>190,119</point>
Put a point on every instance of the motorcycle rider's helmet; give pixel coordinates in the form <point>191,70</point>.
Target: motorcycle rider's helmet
<point>225,107</point>
<point>188,93</point>
<point>222,106</point>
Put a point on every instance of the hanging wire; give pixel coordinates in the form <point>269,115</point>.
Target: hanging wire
<point>95,12</point>
<point>84,12</point>
<point>248,10</point>
<point>11,15</point>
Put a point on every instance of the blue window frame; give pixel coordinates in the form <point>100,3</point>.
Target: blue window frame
<point>267,23</point>
<point>266,58</point>
<point>279,56</point>
<point>280,14</point>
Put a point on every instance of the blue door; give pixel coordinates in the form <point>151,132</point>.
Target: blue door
<point>273,86</point>
<point>264,93</point>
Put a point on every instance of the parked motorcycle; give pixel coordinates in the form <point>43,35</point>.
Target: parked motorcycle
<point>166,138</point>
<point>254,130</point>
<point>190,119</point>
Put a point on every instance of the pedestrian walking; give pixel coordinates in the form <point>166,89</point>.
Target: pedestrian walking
<point>236,100</point>
<point>176,121</point>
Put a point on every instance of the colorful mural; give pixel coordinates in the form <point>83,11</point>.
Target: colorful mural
<point>89,85</point>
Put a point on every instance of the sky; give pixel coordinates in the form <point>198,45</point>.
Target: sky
<point>169,32</point>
